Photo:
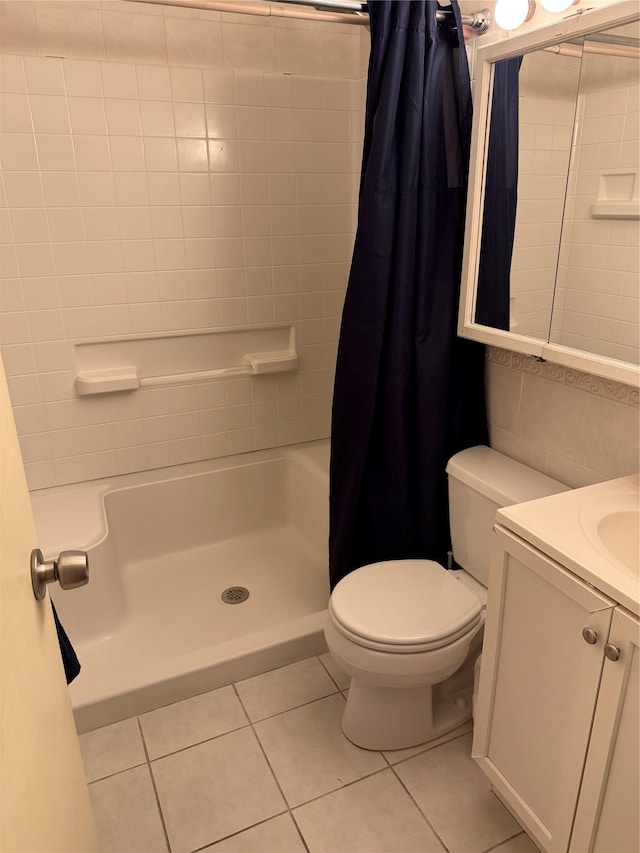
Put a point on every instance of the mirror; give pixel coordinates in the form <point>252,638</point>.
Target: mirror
<point>553,225</point>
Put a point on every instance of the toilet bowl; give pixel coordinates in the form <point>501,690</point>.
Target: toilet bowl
<point>409,632</point>
<point>398,628</point>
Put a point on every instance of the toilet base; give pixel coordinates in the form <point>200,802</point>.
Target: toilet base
<point>388,718</point>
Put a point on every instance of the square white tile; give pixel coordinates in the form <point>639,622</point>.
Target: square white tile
<point>454,795</point>
<point>192,721</point>
<point>285,688</point>
<point>111,749</point>
<point>215,789</point>
<point>278,835</point>
<point>373,814</point>
<point>308,752</point>
<point>126,813</point>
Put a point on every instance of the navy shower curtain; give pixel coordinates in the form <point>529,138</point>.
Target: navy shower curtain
<point>408,393</point>
<point>500,199</point>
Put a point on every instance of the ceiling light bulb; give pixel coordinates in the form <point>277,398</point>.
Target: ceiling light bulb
<point>557,5</point>
<point>512,13</point>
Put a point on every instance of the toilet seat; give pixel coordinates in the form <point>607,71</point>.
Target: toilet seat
<point>368,607</point>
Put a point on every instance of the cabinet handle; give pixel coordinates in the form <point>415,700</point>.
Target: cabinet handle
<point>590,636</point>
<point>611,652</point>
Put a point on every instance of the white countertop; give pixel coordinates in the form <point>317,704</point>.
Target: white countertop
<point>564,527</point>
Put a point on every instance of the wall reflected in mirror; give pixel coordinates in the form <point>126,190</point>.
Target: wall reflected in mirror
<point>569,254</point>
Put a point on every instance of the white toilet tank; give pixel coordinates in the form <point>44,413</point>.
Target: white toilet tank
<point>481,480</point>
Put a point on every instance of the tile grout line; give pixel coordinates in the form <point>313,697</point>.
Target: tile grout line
<point>150,760</point>
<point>238,832</point>
<point>427,748</point>
<point>295,707</point>
<point>496,847</point>
<point>420,812</point>
<point>117,772</point>
<point>272,771</point>
<point>299,831</point>
<point>329,674</point>
<point>258,741</point>
<point>340,788</point>
<point>155,790</point>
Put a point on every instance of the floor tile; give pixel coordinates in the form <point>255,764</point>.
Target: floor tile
<point>214,789</point>
<point>112,749</point>
<point>308,752</point>
<point>284,688</point>
<point>375,814</point>
<point>192,721</point>
<point>454,794</point>
<point>278,835</point>
<point>520,844</point>
<point>126,813</point>
<point>396,755</point>
<point>337,673</point>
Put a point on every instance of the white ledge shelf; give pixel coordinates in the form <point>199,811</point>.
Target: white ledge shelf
<point>616,210</point>
<point>617,195</point>
<point>126,364</point>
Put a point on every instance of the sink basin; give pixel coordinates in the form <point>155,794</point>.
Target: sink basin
<point>619,532</point>
<point>593,532</point>
<point>614,528</point>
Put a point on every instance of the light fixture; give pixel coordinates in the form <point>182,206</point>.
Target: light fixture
<point>510,14</point>
<point>557,5</point>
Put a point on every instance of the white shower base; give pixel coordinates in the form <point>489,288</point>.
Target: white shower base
<point>150,628</point>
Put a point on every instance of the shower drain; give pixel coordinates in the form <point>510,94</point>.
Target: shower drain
<point>235,595</point>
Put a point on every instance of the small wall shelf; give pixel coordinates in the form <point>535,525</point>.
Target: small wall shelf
<point>617,195</point>
<point>126,364</point>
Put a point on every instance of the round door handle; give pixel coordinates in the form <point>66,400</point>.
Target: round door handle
<point>590,636</point>
<point>71,569</point>
<point>611,652</point>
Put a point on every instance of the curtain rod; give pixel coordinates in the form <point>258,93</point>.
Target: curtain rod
<point>594,47</point>
<point>335,11</point>
<point>478,20</point>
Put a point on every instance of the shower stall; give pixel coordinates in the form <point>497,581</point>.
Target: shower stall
<point>172,172</point>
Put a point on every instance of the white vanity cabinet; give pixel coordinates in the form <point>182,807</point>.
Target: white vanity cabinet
<point>556,723</point>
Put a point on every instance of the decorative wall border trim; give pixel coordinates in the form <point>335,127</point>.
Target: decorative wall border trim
<point>499,356</point>
<point>567,375</point>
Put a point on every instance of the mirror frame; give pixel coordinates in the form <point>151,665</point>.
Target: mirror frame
<point>578,24</point>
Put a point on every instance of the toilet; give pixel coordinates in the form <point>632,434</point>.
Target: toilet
<point>408,632</point>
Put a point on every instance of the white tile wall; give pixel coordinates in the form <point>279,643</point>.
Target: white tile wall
<point>599,277</point>
<point>141,194</point>
<point>546,122</point>
<point>572,426</point>
<point>62,442</point>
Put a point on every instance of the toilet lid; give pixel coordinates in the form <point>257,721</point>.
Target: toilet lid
<point>404,602</point>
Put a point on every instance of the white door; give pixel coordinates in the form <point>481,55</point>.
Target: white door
<point>44,801</point>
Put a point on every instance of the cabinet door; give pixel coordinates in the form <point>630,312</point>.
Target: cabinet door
<point>538,686</point>
<point>607,815</point>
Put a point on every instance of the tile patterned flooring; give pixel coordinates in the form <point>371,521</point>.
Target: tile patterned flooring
<point>262,766</point>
